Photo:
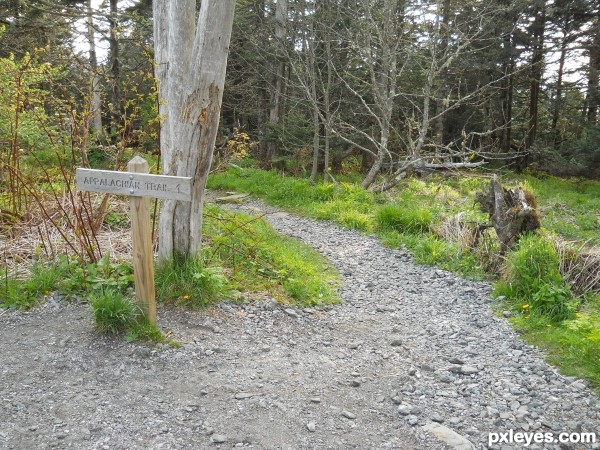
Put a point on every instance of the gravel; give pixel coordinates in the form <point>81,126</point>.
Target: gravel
<point>409,349</point>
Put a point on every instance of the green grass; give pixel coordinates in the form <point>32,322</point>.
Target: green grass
<point>191,283</point>
<point>573,345</point>
<point>256,258</point>
<point>569,207</point>
<point>243,254</point>
<point>45,278</point>
<point>404,218</point>
<point>113,312</point>
<point>144,331</point>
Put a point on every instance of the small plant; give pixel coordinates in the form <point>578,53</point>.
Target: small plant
<point>554,301</point>
<point>355,220</point>
<point>144,331</point>
<point>533,278</point>
<point>190,283</point>
<point>113,312</point>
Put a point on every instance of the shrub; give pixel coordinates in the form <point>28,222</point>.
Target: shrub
<point>533,282</point>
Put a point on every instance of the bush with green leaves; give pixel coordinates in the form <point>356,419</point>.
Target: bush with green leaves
<point>533,282</point>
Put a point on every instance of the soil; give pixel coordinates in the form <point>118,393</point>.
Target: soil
<point>413,358</point>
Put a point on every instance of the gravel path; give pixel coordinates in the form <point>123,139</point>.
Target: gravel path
<point>411,359</point>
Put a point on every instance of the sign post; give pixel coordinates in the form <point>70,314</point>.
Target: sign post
<point>139,185</point>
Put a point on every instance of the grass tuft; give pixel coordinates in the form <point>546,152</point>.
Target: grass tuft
<point>403,218</point>
<point>113,312</point>
<point>144,331</point>
<point>190,283</point>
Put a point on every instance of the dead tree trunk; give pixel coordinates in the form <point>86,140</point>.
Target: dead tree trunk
<point>512,212</point>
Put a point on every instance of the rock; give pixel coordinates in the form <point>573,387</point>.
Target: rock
<point>455,360</point>
<point>455,369</point>
<point>397,400</point>
<point>315,400</point>
<point>437,418</point>
<point>468,370</point>
<point>449,437</point>
<point>311,426</point>
<point>412,420</point>
<point>348,414</point>
<point>291,312</point>
<point>405,409</point>
<point>243,395</point>
<point>218,438</point>
<point>445,377</point>
<point>396,343</point>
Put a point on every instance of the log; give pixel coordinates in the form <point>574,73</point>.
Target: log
<point>512,212</point>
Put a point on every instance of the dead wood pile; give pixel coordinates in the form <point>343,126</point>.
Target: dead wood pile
<point>512,212</point>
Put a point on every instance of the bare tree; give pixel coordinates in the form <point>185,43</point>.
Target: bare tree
<point>276,103</point>
<point>191,59</point>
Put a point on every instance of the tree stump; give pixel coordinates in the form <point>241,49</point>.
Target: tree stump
<point>512,212</point>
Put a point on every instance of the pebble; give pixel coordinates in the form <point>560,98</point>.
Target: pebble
<point>468,370</point>
<point>218,438</point>
<point>412,420</point>
<point>243,395</point>
<point>437,418</point>
<point>311,426</point>
<point>291,312</point>
<point>348,414</point>
<point>405,409</point>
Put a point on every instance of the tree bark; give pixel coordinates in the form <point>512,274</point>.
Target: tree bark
<point>115,69</point>
<point>537,71</point>
<point>558,100</point>
<point>191,59</point>
<point>275,107</point>
<point>512,212</point>
<point>593,96</point>
<point>95,98</point>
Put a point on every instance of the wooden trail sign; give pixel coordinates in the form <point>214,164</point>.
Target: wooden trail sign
<point>139,185</point>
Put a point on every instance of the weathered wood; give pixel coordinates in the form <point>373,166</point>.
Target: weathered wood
<point>141,233</point>
<point>138,184</point>
<point>191,63</point>
<point>512,212</point>
<point>234,198</point>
